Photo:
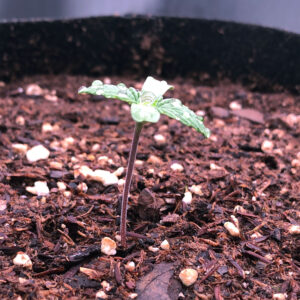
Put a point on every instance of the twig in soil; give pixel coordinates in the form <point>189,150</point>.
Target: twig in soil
<point>209,242</point>
<point>138,236</point>
<point>118,275</point>
<point>141,226</point>
<point>204,229</point>
<point>199,295</point>
<point>101,198</point>
<point>80,256</point>
<point>39,229</point>
<point>256,228</point>
<point>71,219</point>
<point>86,213</point>
<point>263,259</point>
<point>234,199</point>
<point>265,186</point>
<point>20,229</point>
<point>104,219</point>
<point>253,247</point>
<point>49,272</point>
<point>260,239</point>
<point>217,291</point>
<point>67,286</point>
<point>213,195</point>
<point>110,213</point>
<point>131,256</point>
<point>209,273</point>
<point>141,260</point>
<point>261,284</point>
<point>247,214</point>
<point>238,267</point>
<point>229,196</point>
<point>177,207</point>
<point>196,225</point>
<point>81,234</point>
<point>67,238</point>
<point>72,271</point>
<point>291,220</point>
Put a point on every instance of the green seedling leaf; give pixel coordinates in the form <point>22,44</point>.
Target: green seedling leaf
<point>120,91</point>
<point>144,113</point>
<point>148,104</point>
<point>173,108</point>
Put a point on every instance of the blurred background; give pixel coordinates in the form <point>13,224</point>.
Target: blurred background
<point>282,14</point>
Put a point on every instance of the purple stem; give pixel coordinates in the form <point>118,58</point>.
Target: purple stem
<point>132,156</point>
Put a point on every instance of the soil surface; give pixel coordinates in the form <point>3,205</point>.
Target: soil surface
<point>246,173</point>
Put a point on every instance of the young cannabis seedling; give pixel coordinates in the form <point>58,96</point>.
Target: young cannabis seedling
<point>146,106</point>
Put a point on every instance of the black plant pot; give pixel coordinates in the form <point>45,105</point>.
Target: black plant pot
<point>261,58</point>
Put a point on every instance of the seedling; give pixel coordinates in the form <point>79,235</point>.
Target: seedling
<point>146,106</point>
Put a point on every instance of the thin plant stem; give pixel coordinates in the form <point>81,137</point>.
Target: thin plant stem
<point>132,156</point>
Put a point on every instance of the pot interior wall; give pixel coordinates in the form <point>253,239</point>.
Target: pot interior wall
<point>263,58</point>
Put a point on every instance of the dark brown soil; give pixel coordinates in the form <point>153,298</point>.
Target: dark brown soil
<point>62,235</point>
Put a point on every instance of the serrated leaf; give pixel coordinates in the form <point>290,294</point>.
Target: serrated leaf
<point>144,113</point>
<point>120,91</point>
<point>134,94</point>
<point>173,108</point>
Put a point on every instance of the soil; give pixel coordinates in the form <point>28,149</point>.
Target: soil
<point>249,168</point>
